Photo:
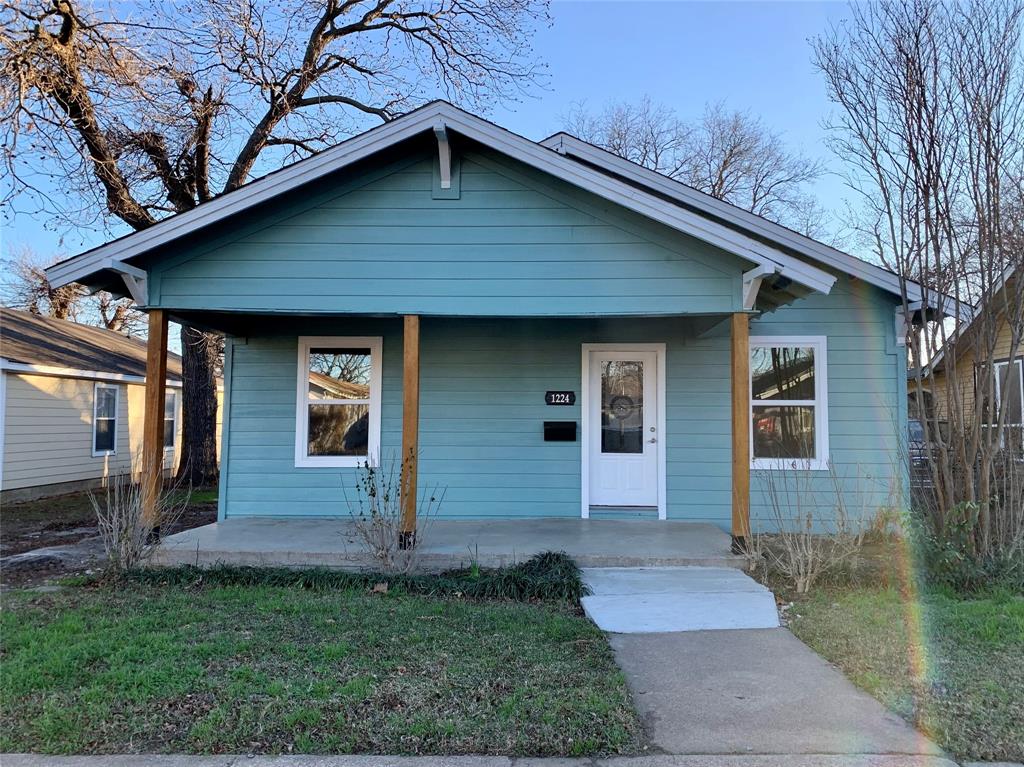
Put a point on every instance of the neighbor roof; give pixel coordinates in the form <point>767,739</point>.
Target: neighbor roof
<point>45,342</point>
<point>773,248</point>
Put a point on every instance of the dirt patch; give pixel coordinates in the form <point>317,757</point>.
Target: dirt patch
<point>61,535</point>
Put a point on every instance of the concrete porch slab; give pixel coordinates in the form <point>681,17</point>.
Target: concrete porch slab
<point>445,544</point>
<point>653,600</point>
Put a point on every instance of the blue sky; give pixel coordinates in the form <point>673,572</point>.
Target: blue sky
<point>751,55</point>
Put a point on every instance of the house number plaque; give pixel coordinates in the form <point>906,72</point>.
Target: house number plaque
<point>560,398</point>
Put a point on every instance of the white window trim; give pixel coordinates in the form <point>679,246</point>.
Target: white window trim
<point>1019,362</point>
<point>117,412</point>
<point>177,414</point>
<point>820,403</point>
<point>302,460</point>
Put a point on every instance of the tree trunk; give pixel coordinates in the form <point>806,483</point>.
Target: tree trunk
<point>199,351</point>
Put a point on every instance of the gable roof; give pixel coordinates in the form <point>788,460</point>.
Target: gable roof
<point>772,248</point>
<point>50,344</point>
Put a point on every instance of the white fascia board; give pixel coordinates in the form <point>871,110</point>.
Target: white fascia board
<point>59,372</point>
<point>427,119</point>
<point>564,143</point>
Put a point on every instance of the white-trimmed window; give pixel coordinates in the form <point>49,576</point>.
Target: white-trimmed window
<point>105,401</point>
<point>170,419</point>
<point>1010,376</point>
<point>337,419</point>
<point>788,402</point>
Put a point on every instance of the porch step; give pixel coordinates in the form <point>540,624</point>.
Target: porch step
<point>650,600</point>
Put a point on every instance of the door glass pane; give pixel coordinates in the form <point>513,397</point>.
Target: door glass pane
<point>781,372</point>
<point>339,374</point>
<point>338,429</point>
<point>622,406</point>
<point>785,431</point>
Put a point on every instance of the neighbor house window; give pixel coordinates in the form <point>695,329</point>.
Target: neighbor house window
<point>104,418</point>
<point>338,401</point>
<point>788,401</point>
<point>170,419</point>
<point>1010,384</point>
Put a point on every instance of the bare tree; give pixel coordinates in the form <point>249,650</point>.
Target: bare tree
<point>153,114</point>
<point>27,287</point>
<point>727,154</point>
<point>931,124</point>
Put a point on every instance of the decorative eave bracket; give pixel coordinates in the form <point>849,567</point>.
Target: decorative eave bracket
<point>444,154</point>
<point>900,318</point>
<point>135,281</point>
<point>752,282</point>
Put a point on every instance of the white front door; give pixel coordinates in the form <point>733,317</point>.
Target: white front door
<point>622,413</point>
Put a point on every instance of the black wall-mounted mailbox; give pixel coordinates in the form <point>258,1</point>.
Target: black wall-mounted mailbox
<point>559,431</point>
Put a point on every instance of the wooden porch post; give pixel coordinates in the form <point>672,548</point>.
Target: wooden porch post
<point>153,419</point>
<point>740,431</point>
<point>410,428</point>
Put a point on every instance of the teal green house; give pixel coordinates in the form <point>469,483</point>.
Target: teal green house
<point>543,329</point>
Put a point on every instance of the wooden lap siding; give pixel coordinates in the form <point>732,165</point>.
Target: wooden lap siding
<point>482,410</point>
<point>502,249</point>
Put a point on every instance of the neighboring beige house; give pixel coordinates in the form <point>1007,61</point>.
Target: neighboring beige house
<point>1009,372</point>
<point>71,405</point>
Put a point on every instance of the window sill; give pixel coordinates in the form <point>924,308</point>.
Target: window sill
<point>103,453</point>
<point>333,462</point>
<point>781,464</point>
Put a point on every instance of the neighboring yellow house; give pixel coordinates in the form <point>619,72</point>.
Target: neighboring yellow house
<point>1009,372</point>
<point>71,405</point>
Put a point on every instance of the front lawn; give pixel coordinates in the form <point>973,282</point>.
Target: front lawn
<point>252,669</point>
<point>954,666</point>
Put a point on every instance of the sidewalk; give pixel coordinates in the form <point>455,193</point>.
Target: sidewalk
<point>749,760</point>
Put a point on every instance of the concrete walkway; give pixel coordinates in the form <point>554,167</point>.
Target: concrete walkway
<point>751,760</point>
<point>643,600</point>
<point>448,543</point>
<point>755,691</point>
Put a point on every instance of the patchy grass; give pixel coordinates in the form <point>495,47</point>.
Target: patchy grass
<point>270,669</point>
<point>953,666</point>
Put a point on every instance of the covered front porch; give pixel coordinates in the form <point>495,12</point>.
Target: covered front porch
<point>447,543</point>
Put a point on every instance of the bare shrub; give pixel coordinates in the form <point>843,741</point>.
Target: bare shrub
<point>813,530</point>
<point>376,514</point>
<point>129,534</point>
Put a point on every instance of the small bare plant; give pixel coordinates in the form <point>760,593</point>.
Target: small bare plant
<point>376,514</point>
<point>130,534</point>
<point>813,530</point>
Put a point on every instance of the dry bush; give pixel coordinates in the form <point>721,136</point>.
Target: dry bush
<point>813,531</point>
<point>376,513</point>
<point>129,535</point>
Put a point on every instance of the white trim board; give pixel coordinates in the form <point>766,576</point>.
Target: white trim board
<point>660,349</point>
<point>59,372</point>
<point>428,118</point>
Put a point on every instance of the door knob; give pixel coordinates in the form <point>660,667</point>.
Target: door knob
<point>652,440</point>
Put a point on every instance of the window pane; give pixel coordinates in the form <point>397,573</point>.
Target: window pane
<point>783,431</point>
<point>622,406</point>
<point>780,373</point>
<point>338,429</point>
<point>106,402</point>
<point>339,374</point>
<point>1010,378</point>
<point>168,432</point>
<point>104,435</point>
<point>169,403</point>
